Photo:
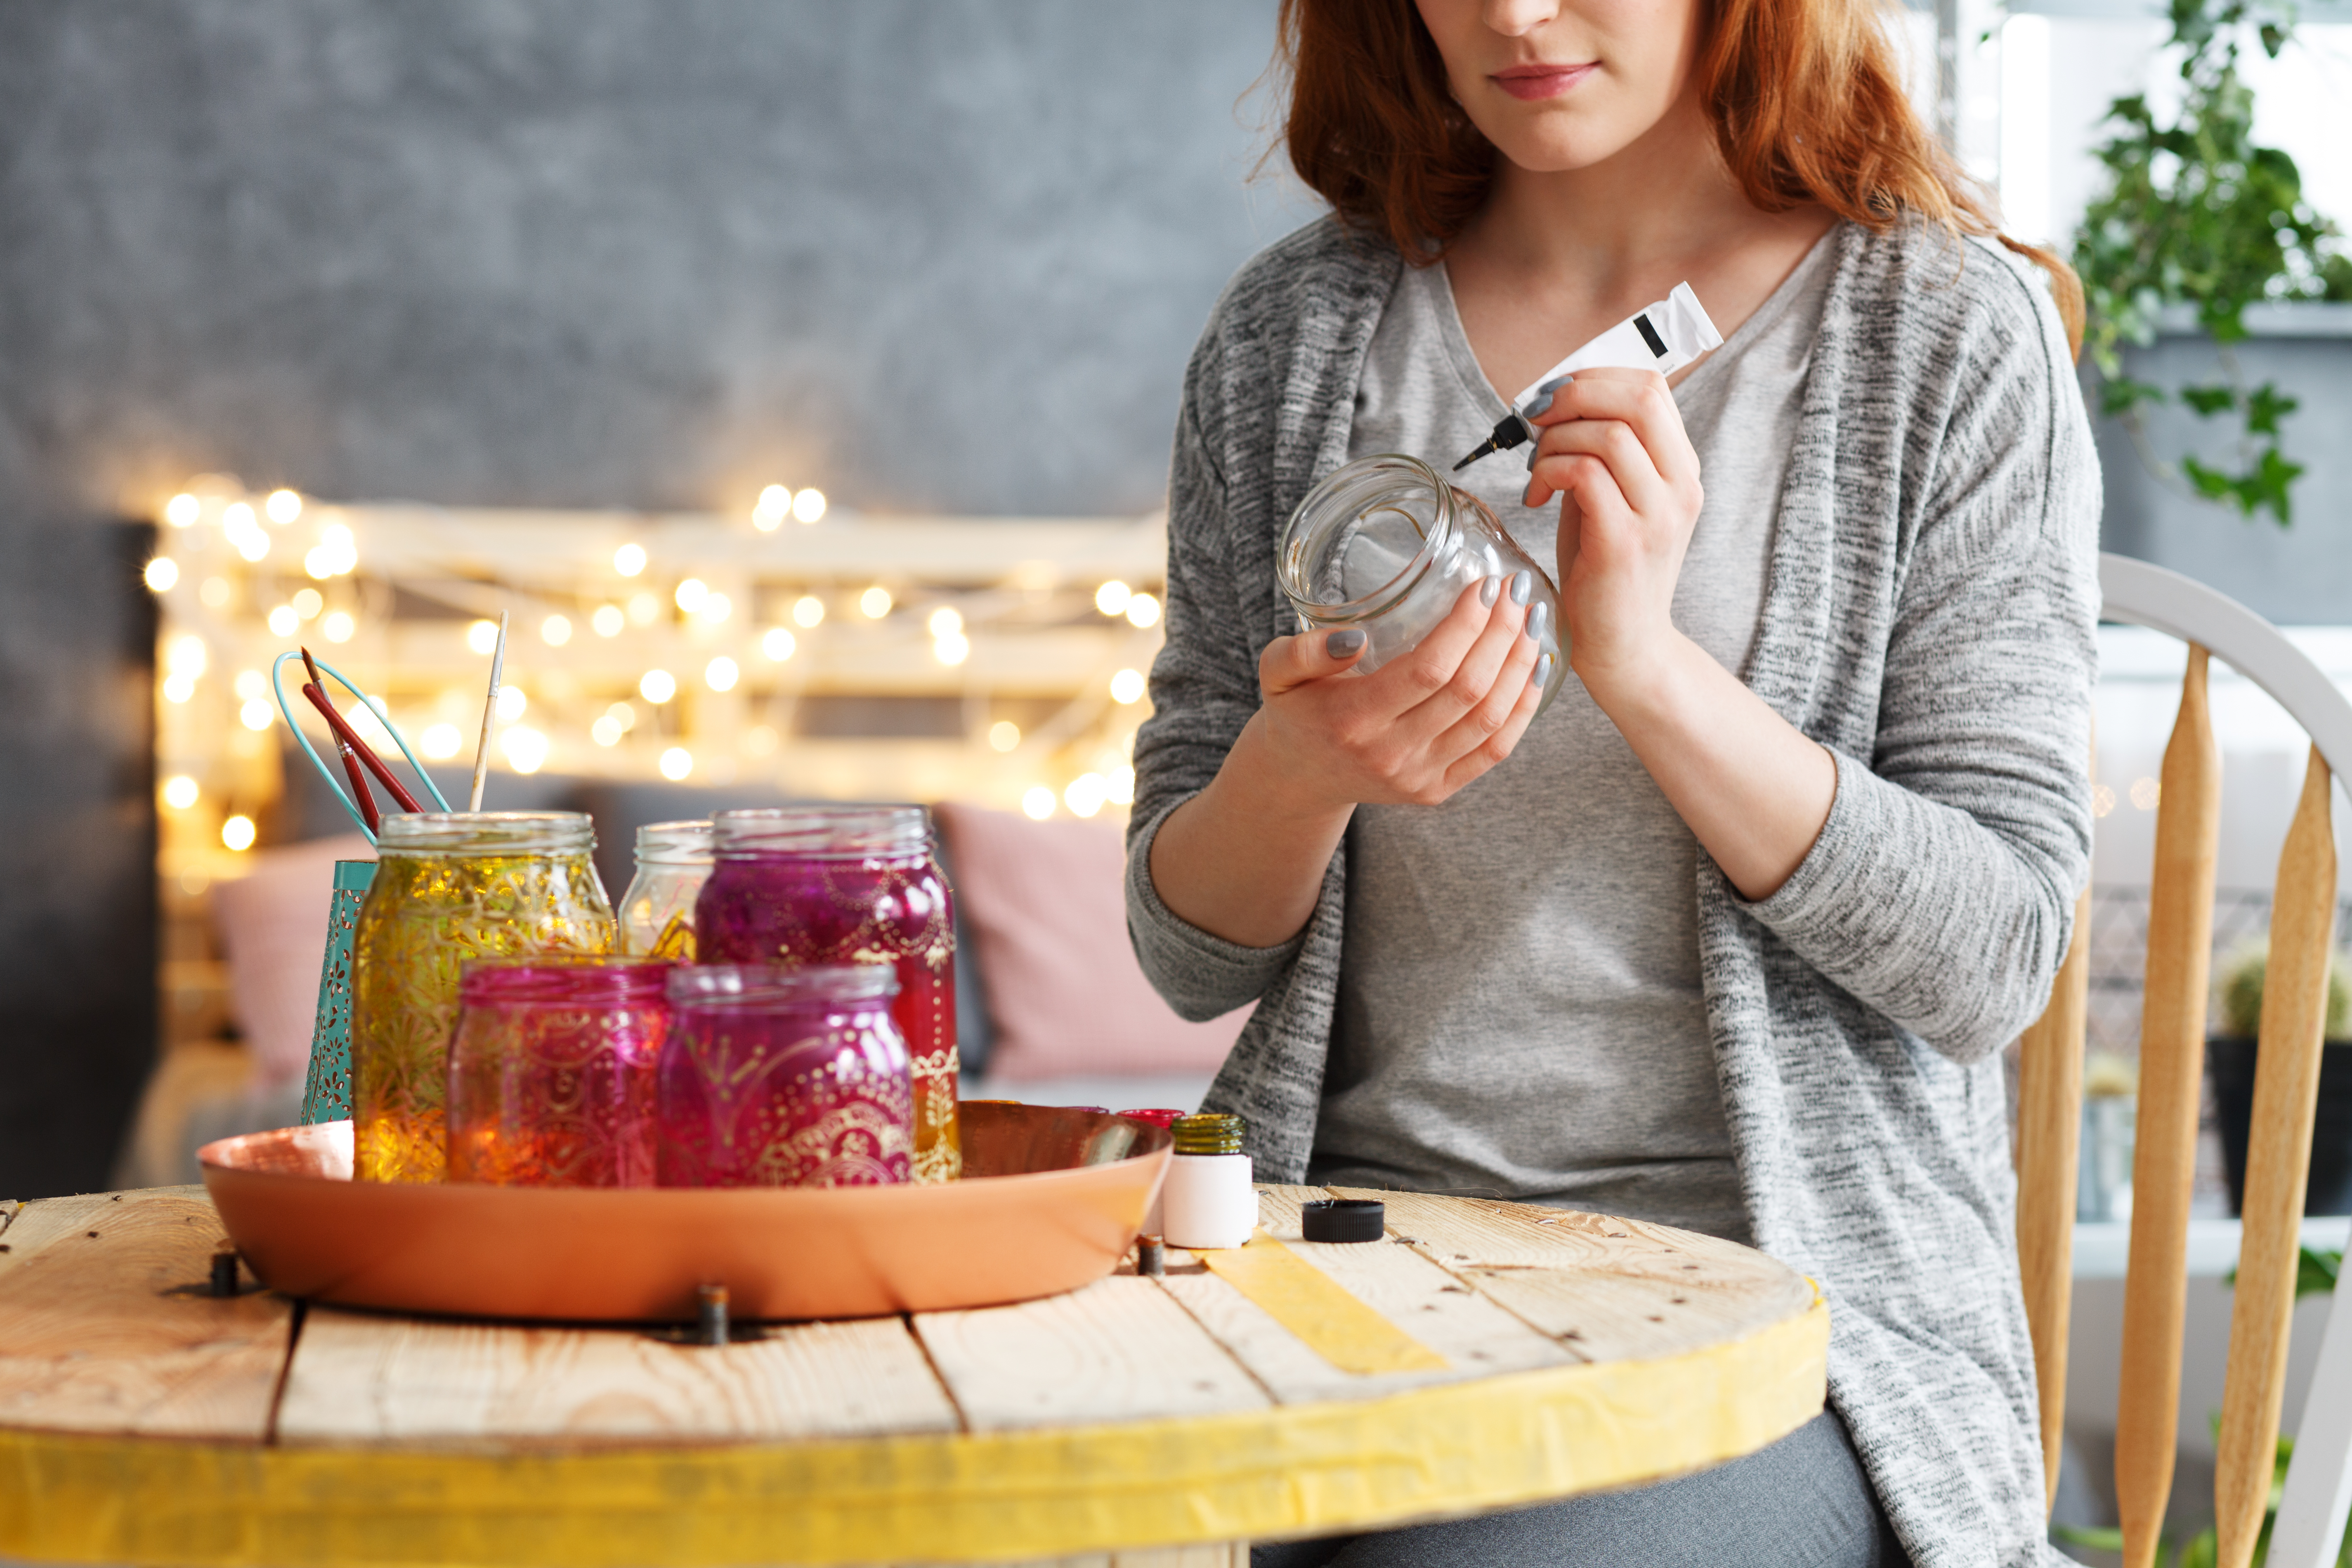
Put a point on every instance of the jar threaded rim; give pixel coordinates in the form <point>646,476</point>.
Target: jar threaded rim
<point>755,986</point>
<point>846,831</point>
<point>485,833</point>
<point>1337,495</point>
<point>563,980</point>
<point>1211,1132</point>
<point>676,843</point>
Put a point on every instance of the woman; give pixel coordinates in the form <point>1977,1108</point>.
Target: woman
<point>1732,935</point>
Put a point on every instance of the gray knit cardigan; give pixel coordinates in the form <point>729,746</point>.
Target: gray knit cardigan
<point>1929,619</point>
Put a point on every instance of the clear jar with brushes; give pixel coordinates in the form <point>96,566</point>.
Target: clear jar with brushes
<point>657,911</point>
<point>1387,546</point>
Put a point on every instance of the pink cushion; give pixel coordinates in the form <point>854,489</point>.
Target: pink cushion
<point>1045,906</point>
<point>273,925</point>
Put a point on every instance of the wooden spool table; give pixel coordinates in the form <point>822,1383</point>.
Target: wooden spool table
<point>1533,1353</point>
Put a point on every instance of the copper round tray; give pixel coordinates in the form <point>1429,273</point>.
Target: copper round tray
<point>1051,1198</point>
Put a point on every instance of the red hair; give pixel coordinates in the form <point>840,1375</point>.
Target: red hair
<point>1804,95</point>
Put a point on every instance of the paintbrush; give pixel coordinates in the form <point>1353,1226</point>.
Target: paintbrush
<point>351,739</point>
<point>360,793</point>
<point>489,716</point>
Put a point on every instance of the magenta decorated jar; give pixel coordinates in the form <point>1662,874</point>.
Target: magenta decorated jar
<point>776,1075</point>
<point>849,884</point>
<point>551,1071</point>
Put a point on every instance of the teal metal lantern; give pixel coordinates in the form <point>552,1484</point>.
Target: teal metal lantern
<point>327,1094</point>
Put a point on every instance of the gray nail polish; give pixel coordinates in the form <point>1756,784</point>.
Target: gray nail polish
<point>1340,645</point>
<point>1537,618</point>
<point>1522,584</point>
<point>1543,672</point>
<point>1489,591</point>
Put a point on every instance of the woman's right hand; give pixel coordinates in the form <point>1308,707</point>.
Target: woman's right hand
<point>1244,858</point>
<point>1417,730</point>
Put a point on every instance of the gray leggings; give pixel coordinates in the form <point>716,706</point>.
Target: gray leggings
<point>1804,1503</point>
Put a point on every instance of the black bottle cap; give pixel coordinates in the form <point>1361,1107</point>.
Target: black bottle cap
<point>1343,1220</point>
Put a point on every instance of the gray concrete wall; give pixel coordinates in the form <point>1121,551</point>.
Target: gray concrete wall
<point>925,254</point>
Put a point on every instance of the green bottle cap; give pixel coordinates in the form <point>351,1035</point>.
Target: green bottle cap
<point>1213,1133</point>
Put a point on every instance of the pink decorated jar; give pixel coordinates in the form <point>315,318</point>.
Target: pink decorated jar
<point>551,1071</point>
<point>784,1076</point>
<point>849,884</point>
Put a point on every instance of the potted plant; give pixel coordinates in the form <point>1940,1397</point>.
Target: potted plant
<point>2197,213</point>
<point>2230,1058</point>
<point>2217,303</point>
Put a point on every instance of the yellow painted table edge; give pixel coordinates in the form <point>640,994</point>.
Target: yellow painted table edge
<point>998,1496</point>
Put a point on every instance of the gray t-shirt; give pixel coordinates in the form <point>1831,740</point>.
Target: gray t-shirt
<point>1520,1014</point>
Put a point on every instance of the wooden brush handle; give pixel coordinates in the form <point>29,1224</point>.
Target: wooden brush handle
<point>349,738</point>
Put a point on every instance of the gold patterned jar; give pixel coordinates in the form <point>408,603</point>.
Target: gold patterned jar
<point>451,888</point>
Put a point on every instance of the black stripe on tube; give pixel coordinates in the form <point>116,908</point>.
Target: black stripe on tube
<point>1650,334</point>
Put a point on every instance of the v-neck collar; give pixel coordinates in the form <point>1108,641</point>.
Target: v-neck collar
<point>1494,405</point>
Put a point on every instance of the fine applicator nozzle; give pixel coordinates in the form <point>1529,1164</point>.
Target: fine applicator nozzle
<point>1510,432</point>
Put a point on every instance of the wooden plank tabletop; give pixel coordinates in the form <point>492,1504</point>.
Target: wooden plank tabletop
<point>1170,1416</point>
<point>106,1325</point>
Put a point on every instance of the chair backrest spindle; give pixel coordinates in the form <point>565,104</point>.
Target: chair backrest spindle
<point>2049,1131</point>
<point>2172,1077</point>
<point>2278,1161</point>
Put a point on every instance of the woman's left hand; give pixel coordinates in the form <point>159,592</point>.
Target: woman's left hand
<point>1612,448</point>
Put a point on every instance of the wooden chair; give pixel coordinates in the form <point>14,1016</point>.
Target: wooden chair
<point>2172,1047</point>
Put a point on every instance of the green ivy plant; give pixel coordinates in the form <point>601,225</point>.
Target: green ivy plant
<point>2196,213</point>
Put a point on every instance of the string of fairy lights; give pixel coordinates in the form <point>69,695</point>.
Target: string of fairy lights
<point>999,661</point>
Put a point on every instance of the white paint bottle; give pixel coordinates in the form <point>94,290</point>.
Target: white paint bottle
<point>1208,1200</point>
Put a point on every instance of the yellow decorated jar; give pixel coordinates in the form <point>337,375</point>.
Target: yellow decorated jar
<point>451,888</point>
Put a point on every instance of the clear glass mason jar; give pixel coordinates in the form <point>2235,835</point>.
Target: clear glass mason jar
<point>784,1076</point>
<point>657,911</point>
<point>849,884</point>
<point>451,888</point>
<point>1385,544</point>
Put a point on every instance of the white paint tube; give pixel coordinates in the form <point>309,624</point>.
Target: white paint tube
<point>1663,337</point>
